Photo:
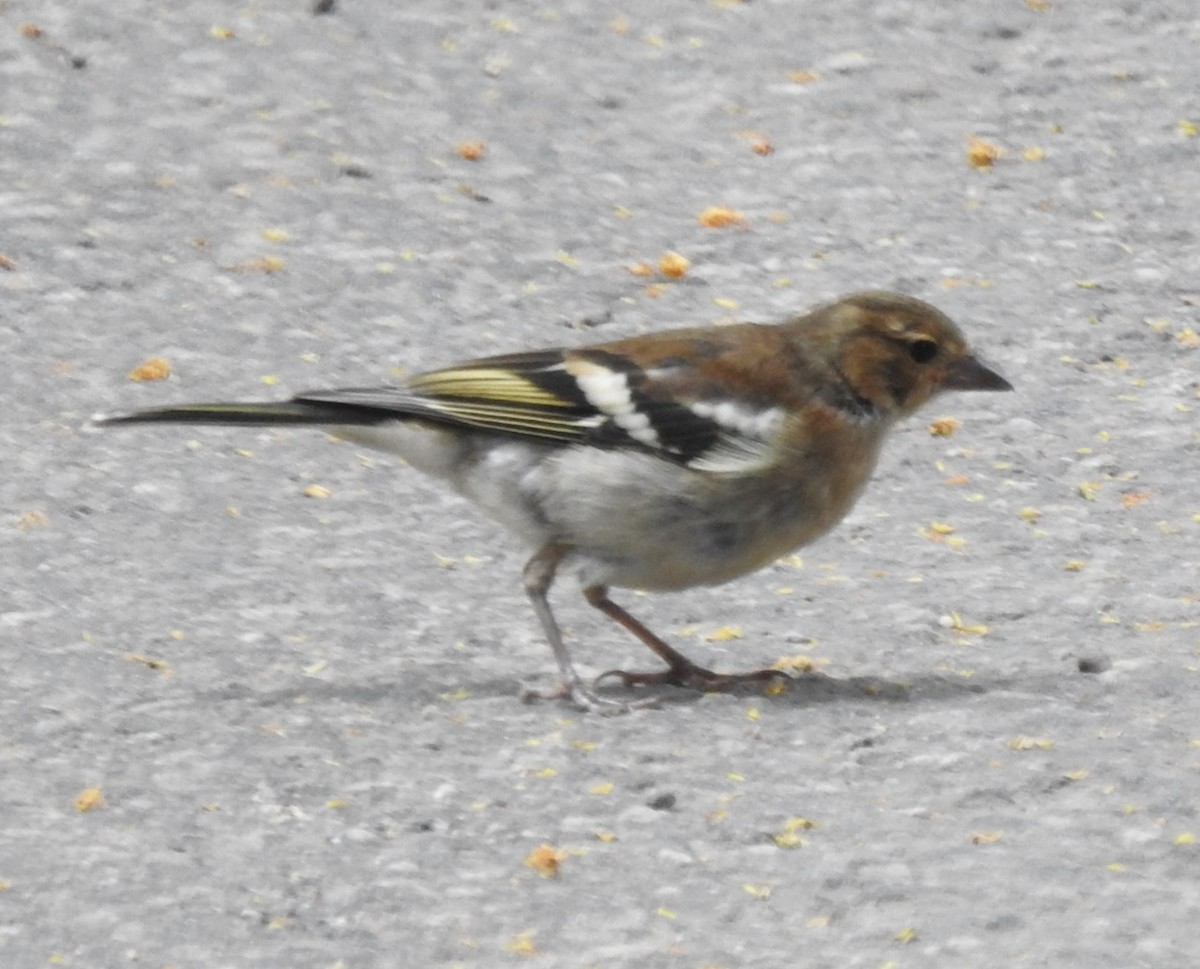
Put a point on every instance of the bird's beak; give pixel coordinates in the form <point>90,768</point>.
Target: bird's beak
<point>967,373</point>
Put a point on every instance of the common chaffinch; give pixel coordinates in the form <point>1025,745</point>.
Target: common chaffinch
<point>665,461</point>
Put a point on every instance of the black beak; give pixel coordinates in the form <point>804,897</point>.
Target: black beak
<point>967,373</point>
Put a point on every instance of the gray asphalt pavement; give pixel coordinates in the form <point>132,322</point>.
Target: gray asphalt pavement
<point>242,725</point>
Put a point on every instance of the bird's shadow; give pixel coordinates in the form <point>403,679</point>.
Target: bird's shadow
<point>811,689</point>
<point>802,691</point>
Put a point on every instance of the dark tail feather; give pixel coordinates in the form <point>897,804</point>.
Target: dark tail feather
<point>293,412</point>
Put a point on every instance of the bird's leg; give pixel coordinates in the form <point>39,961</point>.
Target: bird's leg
<point>539,576</point>
<point>680,670</point>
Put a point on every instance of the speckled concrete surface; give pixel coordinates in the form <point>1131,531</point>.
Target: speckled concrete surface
<point>302,717</point>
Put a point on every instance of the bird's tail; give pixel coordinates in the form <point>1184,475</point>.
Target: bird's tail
<point>290,412</point>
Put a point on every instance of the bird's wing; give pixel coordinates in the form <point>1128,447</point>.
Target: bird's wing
<point>525,395</point>
<point>592,396</point>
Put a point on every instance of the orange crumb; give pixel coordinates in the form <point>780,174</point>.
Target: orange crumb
<point>673,264</point>
<point>471,150</point>
<point>156,368</point>
<point>720,217</point>
<point>980,153</point>
<point>546,860</point>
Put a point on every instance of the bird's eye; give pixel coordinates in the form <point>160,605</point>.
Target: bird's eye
<point>922,351</point>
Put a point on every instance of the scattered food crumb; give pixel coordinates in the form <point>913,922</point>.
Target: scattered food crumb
<point>674,265</point>
<point>89,799</point>
<point>546,860</point>
<point>721,217</point>
<point>944,426</point>
<point>156,368</point>
<point>981,153</point>
<point>471,150</point>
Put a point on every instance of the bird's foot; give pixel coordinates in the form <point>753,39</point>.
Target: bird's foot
<point>586,700</point>
<point>692,676</point>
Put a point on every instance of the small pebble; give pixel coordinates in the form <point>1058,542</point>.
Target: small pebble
<point>1094,663</point>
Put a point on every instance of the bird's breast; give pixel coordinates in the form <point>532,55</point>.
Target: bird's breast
<point>638,521</point>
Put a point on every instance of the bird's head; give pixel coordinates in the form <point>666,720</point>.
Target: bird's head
<point>896,352</point>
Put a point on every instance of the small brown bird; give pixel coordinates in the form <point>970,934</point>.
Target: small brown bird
<point>665,461</point>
